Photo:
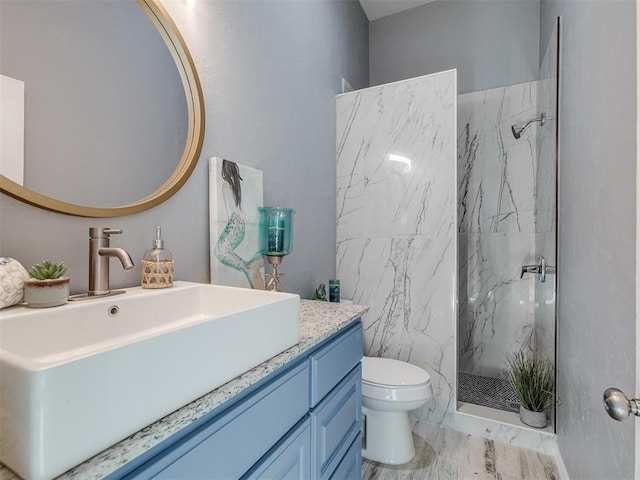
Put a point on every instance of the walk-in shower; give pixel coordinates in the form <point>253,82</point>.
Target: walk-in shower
<point>507,157</point>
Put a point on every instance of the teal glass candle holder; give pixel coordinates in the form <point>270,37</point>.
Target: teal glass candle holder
<point>276,231</point>
<point>275,240</point>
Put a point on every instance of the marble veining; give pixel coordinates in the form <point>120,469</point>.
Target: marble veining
<point>506,218</point>
<point>397,233</point>
<point>501,426</point>
<point>318,320</point>
<point>395,221</point>
<point>443,453</point>
<point>496,225</point>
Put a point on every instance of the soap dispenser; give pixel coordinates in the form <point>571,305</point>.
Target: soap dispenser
<point>157,265</point>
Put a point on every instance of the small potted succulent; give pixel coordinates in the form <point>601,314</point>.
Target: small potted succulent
<point>532,380</point>
<point>47,287</point>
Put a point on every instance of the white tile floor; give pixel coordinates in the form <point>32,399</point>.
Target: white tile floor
<point>446,454</point>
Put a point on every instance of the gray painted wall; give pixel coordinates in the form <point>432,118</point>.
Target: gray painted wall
<point>492,43</point>
<point>270,70</point>
<point>597,221</point>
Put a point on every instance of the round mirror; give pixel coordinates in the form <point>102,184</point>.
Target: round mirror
<point>113,115</point>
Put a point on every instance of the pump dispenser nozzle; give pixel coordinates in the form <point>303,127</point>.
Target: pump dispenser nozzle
<point>158,242</point>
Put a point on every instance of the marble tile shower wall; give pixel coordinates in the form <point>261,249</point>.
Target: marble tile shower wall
<point>496,226</point>
<point>396,230</point>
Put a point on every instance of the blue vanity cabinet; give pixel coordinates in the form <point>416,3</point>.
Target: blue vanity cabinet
<point>349,466</point>
<point>231,443</point>
<point>331,362</point>
<point>300,422</point>
<point>291,460</point>
<point>336,424</point>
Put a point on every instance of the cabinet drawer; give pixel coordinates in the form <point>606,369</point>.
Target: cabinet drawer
<point>332,362</point>
<point>349,466</point>
<point>289,460</point>
<point>233,442</point>
<point>335,423</point>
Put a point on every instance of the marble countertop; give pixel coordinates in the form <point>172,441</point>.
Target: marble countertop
<point>318,320</point>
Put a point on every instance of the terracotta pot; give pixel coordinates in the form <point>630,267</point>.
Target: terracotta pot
<point>46,293</point>
<point>533,419</point>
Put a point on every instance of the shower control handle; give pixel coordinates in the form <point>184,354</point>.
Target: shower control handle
<point>541,269</point>
<point>529,269</point>
<point>618,405</point>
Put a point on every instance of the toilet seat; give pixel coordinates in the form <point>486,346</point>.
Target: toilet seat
<point>393,373</point>
<point>389,379</point>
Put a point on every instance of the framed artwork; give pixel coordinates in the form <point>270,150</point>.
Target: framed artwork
<point>235,193</point>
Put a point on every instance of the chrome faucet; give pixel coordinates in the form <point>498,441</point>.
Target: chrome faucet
<point>99,253</point>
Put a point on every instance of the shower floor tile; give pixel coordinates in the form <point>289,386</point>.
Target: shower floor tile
<point>446,454</point>
<point>487,391</point>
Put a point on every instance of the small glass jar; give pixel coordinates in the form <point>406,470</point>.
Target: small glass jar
<point>334,291</point>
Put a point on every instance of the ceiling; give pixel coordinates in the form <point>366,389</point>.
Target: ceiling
<point>376,9</point>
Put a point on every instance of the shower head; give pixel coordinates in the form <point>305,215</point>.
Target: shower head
<point>517,132</point>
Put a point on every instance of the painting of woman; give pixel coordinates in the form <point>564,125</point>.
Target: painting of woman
<point>236,245</point>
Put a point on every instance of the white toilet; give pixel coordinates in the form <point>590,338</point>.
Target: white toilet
<point>390,389</point>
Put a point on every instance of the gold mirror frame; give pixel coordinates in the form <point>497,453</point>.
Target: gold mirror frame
<point>193,146</point>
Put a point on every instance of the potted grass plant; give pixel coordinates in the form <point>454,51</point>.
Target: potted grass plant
<point>532,380</point>
<point>48,286</point>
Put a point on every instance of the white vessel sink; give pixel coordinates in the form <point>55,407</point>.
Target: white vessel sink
<point>78,378</point>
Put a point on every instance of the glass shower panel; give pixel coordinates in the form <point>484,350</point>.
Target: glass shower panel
<point>496,233</point>
<point>546,201</point>
<point>507,157</point>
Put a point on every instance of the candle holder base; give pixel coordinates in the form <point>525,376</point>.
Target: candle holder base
<point>273,279</point>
